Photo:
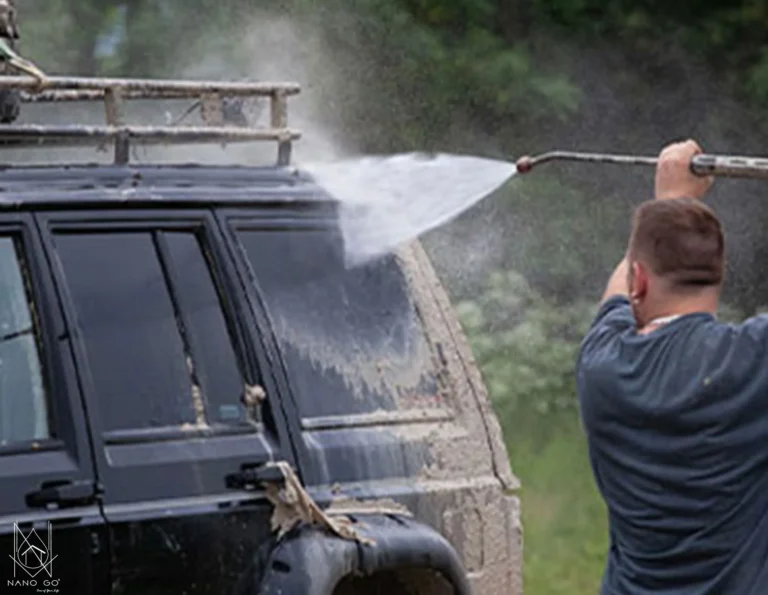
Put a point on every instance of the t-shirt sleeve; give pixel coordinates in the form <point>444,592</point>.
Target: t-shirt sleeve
<point>614,312</point>
<point>613,318</point>
<point>756,328</point>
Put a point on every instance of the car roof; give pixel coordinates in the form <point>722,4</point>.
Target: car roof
<point>65,186</point>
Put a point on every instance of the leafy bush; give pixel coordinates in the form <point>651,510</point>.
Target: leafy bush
<point>525,344</point>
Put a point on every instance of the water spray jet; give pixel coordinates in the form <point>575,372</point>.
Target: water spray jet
<point>388,200</point>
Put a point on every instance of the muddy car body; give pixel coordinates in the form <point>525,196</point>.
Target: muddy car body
<point>175,338</point>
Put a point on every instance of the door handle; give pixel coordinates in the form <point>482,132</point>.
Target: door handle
<point>251,476</point>
<point>64,494</point>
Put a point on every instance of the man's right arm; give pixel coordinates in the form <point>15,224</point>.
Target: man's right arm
<point>673,180</point>
<point>618,284</point>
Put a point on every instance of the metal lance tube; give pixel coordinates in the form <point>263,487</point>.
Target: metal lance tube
<point>701,165</point>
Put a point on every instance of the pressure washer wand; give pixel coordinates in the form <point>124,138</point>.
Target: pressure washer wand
<point>701,165</point>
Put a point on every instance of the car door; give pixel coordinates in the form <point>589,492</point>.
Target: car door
<point>177,398</point>
<point>52,533</point>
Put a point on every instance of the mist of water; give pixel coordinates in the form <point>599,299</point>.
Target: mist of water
<point>389,200</point>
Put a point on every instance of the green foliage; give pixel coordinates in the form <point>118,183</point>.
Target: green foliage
<point>731,35</point>
<point>563,515</point>
<point>757,78</point>
<point>526,345</point>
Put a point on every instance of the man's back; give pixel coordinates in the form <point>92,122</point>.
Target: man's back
<point>677,424</point>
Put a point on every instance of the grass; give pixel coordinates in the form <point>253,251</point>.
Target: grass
<point>564,521</point>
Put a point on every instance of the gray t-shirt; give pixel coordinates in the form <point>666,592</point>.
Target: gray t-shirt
<point>677,427</point>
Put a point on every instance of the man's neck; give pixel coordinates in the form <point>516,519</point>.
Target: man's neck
<point>678,306</point>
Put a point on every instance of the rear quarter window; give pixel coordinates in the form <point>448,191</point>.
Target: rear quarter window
<point>351,339</point>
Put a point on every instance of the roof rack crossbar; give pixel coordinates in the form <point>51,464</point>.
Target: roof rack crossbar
<point>151,88</point>
<point>114,92</point>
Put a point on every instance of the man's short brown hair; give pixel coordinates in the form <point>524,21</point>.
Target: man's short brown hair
<point>680,240</point>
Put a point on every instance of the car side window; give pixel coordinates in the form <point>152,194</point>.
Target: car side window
<point>351,338</point>
<point>24,412</point>
<point>157,342</point>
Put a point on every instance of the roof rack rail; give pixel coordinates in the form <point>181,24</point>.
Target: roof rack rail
<point>115,92</point>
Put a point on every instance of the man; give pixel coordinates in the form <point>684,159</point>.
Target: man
<point>675,406</point>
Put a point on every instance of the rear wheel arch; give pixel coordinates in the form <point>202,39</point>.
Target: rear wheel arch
<point>406,554</point>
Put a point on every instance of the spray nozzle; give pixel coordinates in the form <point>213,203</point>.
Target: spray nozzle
<point>524,164</point>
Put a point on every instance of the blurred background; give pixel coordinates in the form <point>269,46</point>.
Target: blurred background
<point>497,78</point>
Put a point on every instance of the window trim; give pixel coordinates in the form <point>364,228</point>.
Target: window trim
<point>175,433</point>
<point>32,446</point>
<point>191,345</point>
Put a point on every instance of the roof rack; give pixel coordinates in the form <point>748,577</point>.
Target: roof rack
<point>212,97</point>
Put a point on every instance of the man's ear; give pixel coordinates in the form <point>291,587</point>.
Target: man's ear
<point>639,282</point>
